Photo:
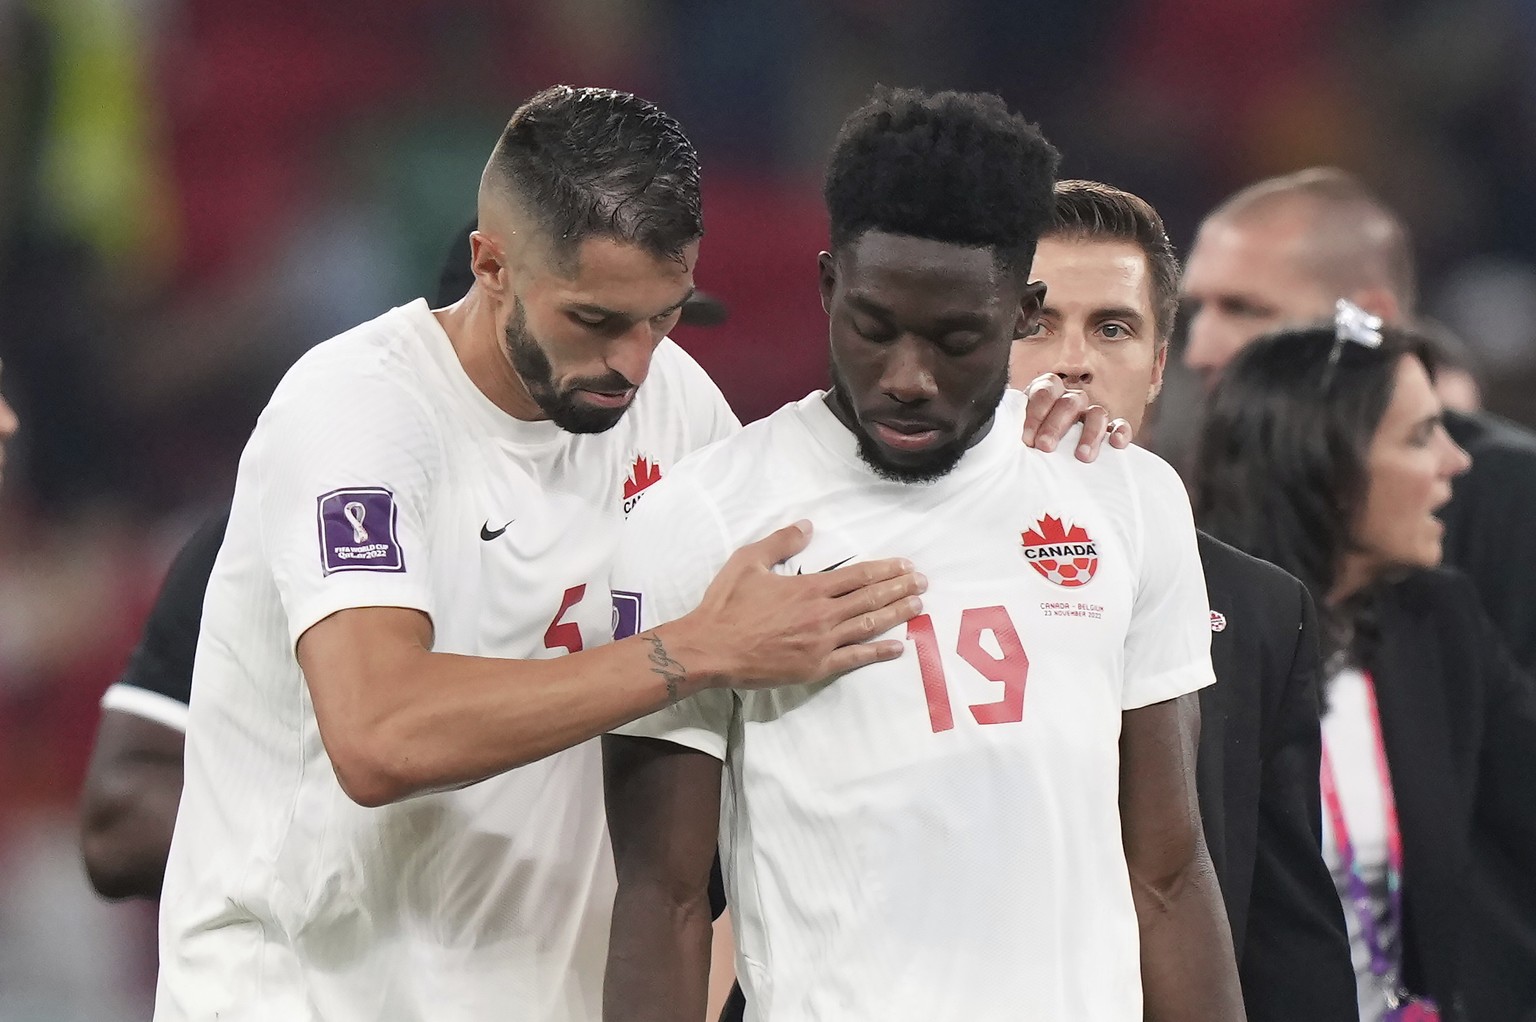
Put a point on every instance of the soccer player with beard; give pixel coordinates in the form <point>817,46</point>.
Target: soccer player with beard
<point>1004,824</point>
<point>391,805</point>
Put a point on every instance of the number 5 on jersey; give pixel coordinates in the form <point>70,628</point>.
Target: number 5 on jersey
<point>566,634</point>
<point>1011,669</point>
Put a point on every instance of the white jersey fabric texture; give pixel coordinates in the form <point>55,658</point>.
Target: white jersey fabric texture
<point>379,475</point>
<point>937,837</point>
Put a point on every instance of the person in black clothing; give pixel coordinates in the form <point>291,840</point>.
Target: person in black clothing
<point>1111,280</point>
<point>1279,253</point>
<point>1324,452</point>
<point>133,785</point>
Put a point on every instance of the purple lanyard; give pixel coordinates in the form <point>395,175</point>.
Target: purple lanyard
<point>1382,964</point>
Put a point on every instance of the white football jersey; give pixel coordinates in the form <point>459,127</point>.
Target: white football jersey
<point>379,475</point>
<point>937,837</point>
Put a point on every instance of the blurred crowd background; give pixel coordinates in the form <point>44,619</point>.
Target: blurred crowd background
<point>193,192</point>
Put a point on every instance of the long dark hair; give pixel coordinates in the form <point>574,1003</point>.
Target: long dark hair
<point>1283,459</point>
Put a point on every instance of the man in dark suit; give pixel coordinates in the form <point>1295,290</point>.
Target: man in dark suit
<point>1280,253</point>
<point>1111,281</point>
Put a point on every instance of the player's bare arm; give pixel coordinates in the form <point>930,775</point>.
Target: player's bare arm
<point>128,805</point>
<point>1188,971</point>
<point>398,719</point>
<point>1054,408</point>
<point>663,816</point>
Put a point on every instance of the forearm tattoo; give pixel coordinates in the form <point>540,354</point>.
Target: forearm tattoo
<point>670,670</point>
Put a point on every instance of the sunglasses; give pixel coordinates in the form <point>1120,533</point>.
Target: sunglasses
<point>1351,325</point>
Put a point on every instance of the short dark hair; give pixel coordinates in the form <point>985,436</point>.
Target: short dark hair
<point>1282,469</point>
<point>601,163</point>
<point>1092,211</point>
<point>955,167</point>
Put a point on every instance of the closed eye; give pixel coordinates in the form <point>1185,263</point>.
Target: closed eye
<point>871,329</point>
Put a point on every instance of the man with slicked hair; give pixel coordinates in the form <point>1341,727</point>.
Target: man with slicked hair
<point>1280,253</point>
<point>1111,294</point>
<point>392,804</point>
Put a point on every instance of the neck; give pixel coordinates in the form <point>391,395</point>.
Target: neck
<point>470,324</point>
<point>1354,575</point>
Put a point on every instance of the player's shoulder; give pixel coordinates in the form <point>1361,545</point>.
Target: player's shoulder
<point>375,372</point>
<point>726,465</point>
<point>1242,571</point>
<point>676,383</point>
<point>726,474</point>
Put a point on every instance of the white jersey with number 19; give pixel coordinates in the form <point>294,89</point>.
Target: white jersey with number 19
<point>937,837</point>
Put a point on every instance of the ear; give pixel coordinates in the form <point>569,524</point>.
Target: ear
<point>1159,364</point>
<point>1379,301</point>
<point>826,269</point>
<point>488,264</point>
<point>1030,304</point>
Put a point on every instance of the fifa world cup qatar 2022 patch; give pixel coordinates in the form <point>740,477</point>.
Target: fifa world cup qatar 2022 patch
<point>357,530</point>
<point>1065,555</point>
<point>626,614</point>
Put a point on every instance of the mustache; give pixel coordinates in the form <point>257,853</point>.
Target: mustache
<point>612,381</point>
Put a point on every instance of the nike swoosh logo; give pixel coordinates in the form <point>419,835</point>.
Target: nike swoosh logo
<point>487,534</point>
<point>830,567</point>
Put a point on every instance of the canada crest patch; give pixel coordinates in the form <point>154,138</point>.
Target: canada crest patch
<point>642,475</point>
<point>1065,555</point>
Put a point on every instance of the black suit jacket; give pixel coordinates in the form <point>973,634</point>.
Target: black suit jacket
<point>1459,722</point>
<point>1257,773</point>
<point>1489,531</point>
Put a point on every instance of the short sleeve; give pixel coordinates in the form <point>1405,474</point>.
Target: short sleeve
<point>670,549</point>
<point>1168,644</point>
<point>343,473</point>
<point>157,683</point>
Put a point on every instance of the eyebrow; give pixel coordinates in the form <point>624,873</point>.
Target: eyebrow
<point>1107,312</point>
<point>1119,312</point>
<point>948,323</point>
<point>607,313</point>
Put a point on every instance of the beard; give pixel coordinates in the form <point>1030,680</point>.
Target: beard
<point>928,466</point>
<point>561,405</point>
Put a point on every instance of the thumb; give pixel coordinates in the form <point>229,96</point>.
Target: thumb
<point>779,546</point>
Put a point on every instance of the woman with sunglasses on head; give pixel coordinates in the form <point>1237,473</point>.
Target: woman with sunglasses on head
<point>1323,452</point>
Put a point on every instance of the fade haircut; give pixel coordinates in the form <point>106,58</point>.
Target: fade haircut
<point>599,163</point>
<point>954,167</point>
<point>1092,211</point>
<point>1355,239</point>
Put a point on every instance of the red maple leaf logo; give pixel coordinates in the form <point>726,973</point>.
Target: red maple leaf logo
<point>643,474</point>
<point>1052,532</point>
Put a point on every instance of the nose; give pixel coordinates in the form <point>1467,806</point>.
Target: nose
<point>1072,360</point>
<point>1455,459</point>
<point>9,423</point>
<point>907,377</point>
<point>630,353</point>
